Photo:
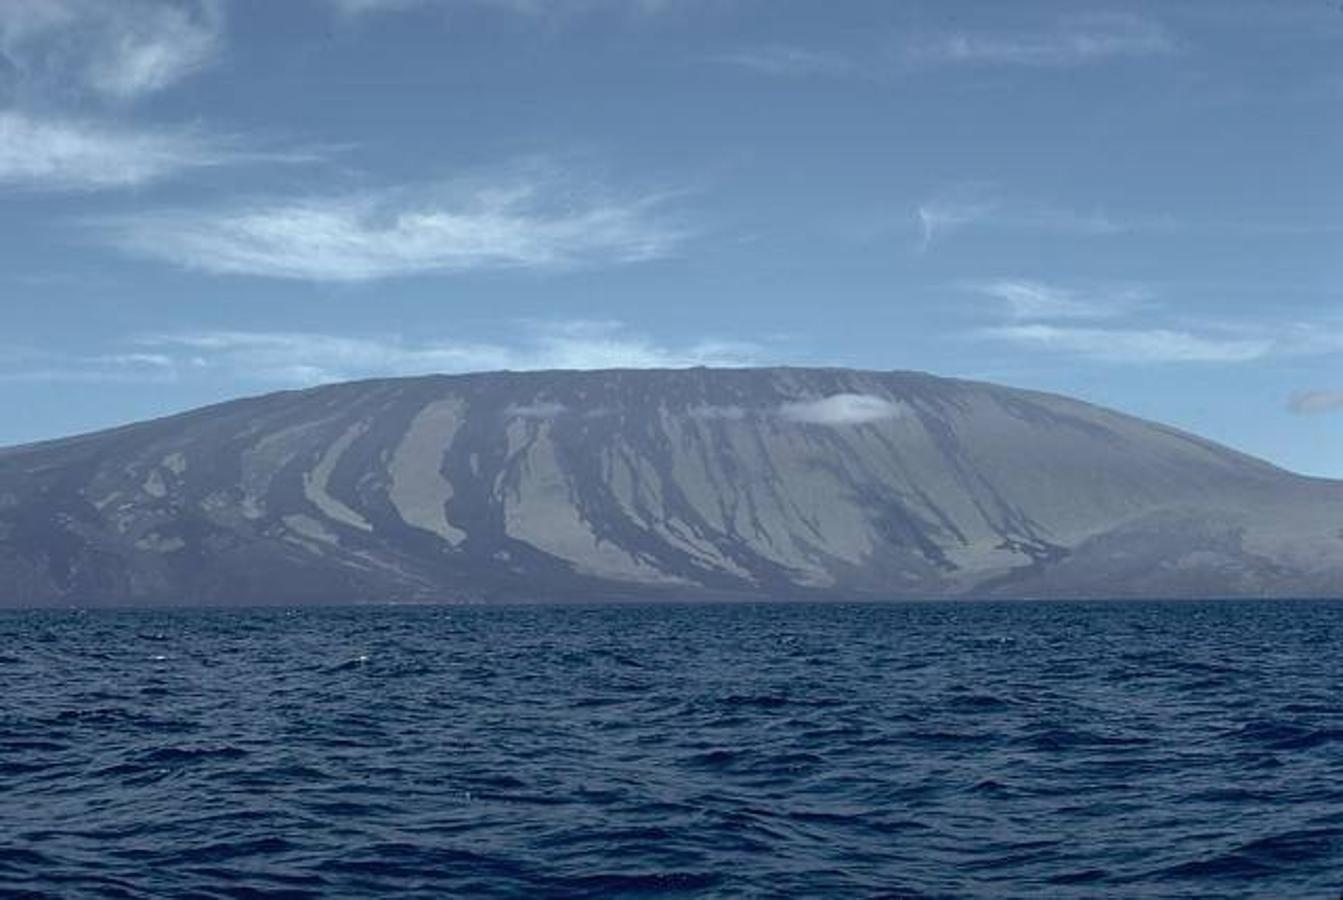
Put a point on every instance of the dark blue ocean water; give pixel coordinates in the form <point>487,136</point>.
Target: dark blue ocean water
<point>959,750</point>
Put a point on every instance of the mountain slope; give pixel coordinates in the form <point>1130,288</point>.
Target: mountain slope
<point>685,483</point>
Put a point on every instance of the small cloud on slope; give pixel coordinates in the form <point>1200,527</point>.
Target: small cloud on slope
<point>842,409</point>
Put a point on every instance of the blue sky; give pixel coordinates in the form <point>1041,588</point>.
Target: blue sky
<point>1134,203</point>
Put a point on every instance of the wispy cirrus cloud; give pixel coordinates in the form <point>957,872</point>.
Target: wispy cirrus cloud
<point>982,208</point>
<point>1076,41</point>
<point>126,367</point>
<point>520,223</point>
<point>310,358</point>
<point>537,8</point>
<point>1315,402</point>
<point>119,50</point>
<point>1133,345</point>
<point>1086,223</point>
<point>73,154</point>
<point>60,54</point>
<point>286,359</point>
<point>1127,324</point>
<point>940,217</point>
<point>1071,42</point>
<point>373,7</point>
<point>786,60</point>
<point>1029,299</point>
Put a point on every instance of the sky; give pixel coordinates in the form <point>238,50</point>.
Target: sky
<point>1138,204</point>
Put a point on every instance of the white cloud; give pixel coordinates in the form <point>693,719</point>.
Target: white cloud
<point>1095,223</point>
<point>784,60</point>
<point>1026,299</point>
<point>981,207</point>
<point>61,154</point>
<point>842,409</point>
<point>362,7</point>
<point>941,217</point>
<point>1041,317</point>
<point>976,206</point>
<point>161,47</point>
<point>1313,402</point>
<point>1152,345</point>
<point>54,53</point>
<point>355,8</point>
<point>1076,42</point>
<point>835,411</point>
<point>307,358</point>
<point>22,365</point>
<point>120,49</point>
<point>310,358</point>
<point>526,224</point>
<point>609,345</point>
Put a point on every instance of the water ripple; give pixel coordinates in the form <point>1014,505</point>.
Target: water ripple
<point>919,750</point>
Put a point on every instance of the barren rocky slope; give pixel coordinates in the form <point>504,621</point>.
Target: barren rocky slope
<point>781,483</point>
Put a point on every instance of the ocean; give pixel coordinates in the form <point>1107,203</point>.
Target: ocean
<point>1124,749</point>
